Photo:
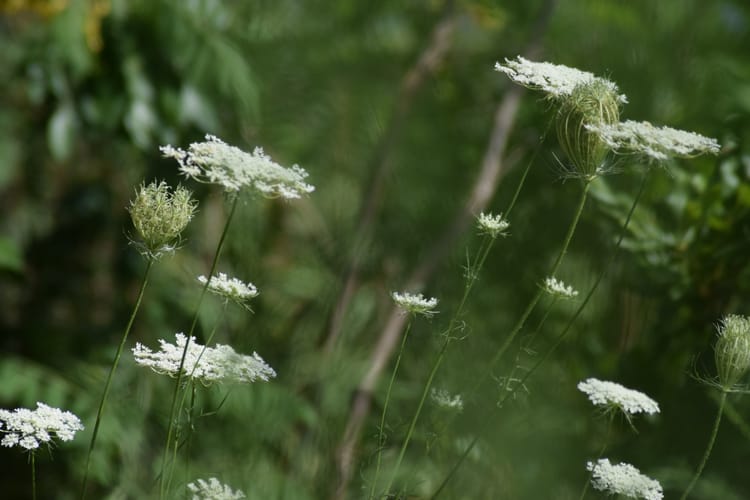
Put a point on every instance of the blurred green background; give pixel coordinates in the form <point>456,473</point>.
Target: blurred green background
<point>90,89</point>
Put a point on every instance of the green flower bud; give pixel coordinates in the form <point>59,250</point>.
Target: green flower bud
<point>732,350</point>
<point>159,216</point>
<point>590,103</point>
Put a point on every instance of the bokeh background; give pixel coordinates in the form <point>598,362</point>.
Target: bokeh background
<point>391,107</point>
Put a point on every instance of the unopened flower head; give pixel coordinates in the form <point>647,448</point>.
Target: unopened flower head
<point>613,396</point>
<point>213,489</point>
<point>415,304</point>
<point>623,479</point>
<point>492,225</point>
<point>732,350</point>
<point>27,429</point>
<point>557,288</point>
<point>159,215</point>
<point>444,399</point>
<point>654,143</point>
<point>207,365</point>
<point>230,288</point>
<point>216,162</point>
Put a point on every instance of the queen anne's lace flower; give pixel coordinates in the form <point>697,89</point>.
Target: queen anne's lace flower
<point>656,143</point>
<point>623,479</point>
<point>216,162</point>
<point>213,490</point>
<point>415,304</point>
<point>613,395</point>
<point>444,399</point>
<point>555,287</point>
<point>492,225</point>
<point>205,364</point>
<point>28,428</point>
<point>230,288</point>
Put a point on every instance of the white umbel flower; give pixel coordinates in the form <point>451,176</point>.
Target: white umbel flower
<point>444,399</point>
<point>29,428</point>
<point>216,162</point>
<point>492,225</point>
<point>623,479</point>
<point>230,288</point>
<point>555,287</point>
<point>204,364</point>
<point>614,396</point>
<point>655,143</point>
<point>415,304</point>
<point>213,489</point>
<point>555,79</point>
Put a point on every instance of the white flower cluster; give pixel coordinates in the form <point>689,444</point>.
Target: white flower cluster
<point>415,304</point>
<point>213,489</point>
<point>28,428</point>
<point>555,79</point>
<point>230,288</point>
<point>444,399</point>
<point>216,162</point>
<point>656,143</point>
<point>204,364</point>
<point>613,395</point>
<point>623,479</point>
<point>492,225</point>
<point>553,286</point>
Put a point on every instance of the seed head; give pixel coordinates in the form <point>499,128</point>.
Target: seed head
<point>732,350</point>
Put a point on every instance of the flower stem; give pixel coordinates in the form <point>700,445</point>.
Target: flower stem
<point>601,453</point>
<point>33,476</point>
<point>711,441</point>
<point>110,376</point>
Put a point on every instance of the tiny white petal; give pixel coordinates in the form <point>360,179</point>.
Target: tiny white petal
<point>611,394</point>
<point>623,479</point>
<point>415,304</point>
<point>29,428</point>
<point>553,286</point>
<point>230,288</point>
<point>213,490</point>
<point>492,225</point>
<point>444,399</point>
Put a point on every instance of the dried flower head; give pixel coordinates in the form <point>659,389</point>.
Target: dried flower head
<point>557,288</point>
<point>213,490</point>
<point>28,428</point>
<point>492,225</point>
<point>207,365</point>
<point>415,304</point>
<point>444,399</point>
<point>654,143</point>
<point>159,216</point>
<point>216,162</point>
<point>230,288</point>
<point>732,350</point>
<point>623,479</point>
<point>612,396</point>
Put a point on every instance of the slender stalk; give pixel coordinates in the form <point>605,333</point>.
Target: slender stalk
<point>709,447</point>
<point>110,376</point>
<point>178,380</point>
<point>601,453</point>
<point>33,475</point>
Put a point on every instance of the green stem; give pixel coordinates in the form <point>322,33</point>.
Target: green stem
<point>170,429</point>
<point>111,375</point>
<point>601,453</point>
<point>33,475</point>
<point>710,446</point>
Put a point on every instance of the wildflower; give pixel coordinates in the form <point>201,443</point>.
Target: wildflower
<point>204,364</point>
<point>655,143</point>
<point>216,162</point>
<point>555,287</point>
<point>213,490</point>
<point>230,288</point>
<point>444,399</point>
<point>28,428</point>
<point>732,350</point>
<point>492,225</point>
<point>415,304</point>
<point>159,216</point>
<point>616,397</point>
<point>623,479</point>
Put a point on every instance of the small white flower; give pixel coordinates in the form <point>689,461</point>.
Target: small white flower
<point>444,399</point>
<point>623,479</point>
<point>213,490</point>
<point>216,162</point>
<point>230,288</point>
<point>555,79</point>
<point>492,225</point>
<point>553,286</point>
<point>656,143</point>
<point>613,395</point>
<point>204,364</point>
<point>28,428</point>
<point>415,304</point>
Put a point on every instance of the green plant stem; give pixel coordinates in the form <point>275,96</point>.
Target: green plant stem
<point>33,475</point>
<point>610,424</point>
<point>178,380</point>
<point>709,447</point>
<point>110,376</point>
